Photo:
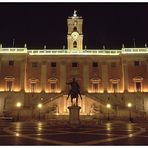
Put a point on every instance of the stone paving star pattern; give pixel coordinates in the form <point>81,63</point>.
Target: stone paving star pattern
<point>41,133</point>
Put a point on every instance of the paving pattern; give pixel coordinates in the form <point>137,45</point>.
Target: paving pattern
<point>42,133</point>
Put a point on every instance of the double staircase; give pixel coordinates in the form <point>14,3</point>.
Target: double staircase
<point>118,110</point>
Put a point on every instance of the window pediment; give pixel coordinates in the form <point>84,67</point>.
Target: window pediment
<point>138,79</point>
<point>114,80</point>
<point>95,80</point>
<point>9,78</point>
<point>52,80</point>
<point>34,80</point>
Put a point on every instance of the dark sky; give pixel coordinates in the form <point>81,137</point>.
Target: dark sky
<point>46,23</point>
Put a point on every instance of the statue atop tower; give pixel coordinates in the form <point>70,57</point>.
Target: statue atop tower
<point>75,13</point>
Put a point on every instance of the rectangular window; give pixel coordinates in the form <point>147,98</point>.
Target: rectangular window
<point>138,86</point>
<point>95,87</point>
<point>53,86</point>
<point>136,63</point>
<point>53,64</point>
<point>11,63</point>
<point>9,85</point>
<point>115,87</point>
<point>74,64</point>
<point>33,86</point>
<point>34,64</point>
<point>95,64</point>
<point>113,64</point>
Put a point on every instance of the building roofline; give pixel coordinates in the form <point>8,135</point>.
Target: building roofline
<point>75,52</point>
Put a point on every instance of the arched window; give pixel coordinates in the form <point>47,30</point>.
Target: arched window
<point>75,29</point>
<point>74,44</point>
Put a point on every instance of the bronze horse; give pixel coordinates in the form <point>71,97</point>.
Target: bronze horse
<point>74,93</point>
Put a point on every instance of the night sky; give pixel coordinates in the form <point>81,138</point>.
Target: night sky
<point>109,24</point>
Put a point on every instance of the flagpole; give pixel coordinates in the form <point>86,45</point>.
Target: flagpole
<point>134,43</point>
<point>13,42</point>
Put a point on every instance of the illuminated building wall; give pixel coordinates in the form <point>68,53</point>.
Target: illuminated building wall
<point>50,73</point>
<point>36,74</point>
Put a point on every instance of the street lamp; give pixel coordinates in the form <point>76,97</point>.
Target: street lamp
<point>18,105</point>
<point>108,115</point>
<point>129,105</point>
<point>39,107</point>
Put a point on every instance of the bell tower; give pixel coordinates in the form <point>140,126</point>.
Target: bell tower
<point>75,34</point>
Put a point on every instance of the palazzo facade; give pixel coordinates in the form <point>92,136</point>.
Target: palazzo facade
<point>32,76</point>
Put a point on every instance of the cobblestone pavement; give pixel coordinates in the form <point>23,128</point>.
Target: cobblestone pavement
<point>43,133</point>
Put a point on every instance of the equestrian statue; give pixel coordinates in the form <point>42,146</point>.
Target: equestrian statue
<point>74,92</point>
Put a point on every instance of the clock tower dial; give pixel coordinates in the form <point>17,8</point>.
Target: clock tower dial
<point>75,35</point>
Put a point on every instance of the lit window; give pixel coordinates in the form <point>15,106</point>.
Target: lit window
<point>138,86</point>
<point>53,84</point>
<point>115,87</point>
<point>9,85</point>
<point>11,63</point>
<point>95,87</point>
<point>53,87</point>
<point>33,87</point>
<point>95,84</point>
<point>33,84</point>
<point>138,83</point>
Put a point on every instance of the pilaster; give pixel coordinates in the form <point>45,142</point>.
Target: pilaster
<point>23,75</point>
<point>43,75</point>
<point>63,76</point>
<point>85,76</point>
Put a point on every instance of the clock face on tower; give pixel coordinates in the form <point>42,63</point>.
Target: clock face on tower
<point>75,35</point>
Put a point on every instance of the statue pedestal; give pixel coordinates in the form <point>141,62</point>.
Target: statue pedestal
<point>74,113</point>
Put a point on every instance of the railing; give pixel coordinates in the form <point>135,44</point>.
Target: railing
<point>75,52</point>
<point>53,98</point>
<point>13,50</point>
<point>134,50</point>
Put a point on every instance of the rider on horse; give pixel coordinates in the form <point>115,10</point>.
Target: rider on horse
<point>74,91</point>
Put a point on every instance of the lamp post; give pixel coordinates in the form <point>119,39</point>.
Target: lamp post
<point>39,107</point>
<point>108,113</point>
<point>129,105</point>
<point>18,105</point>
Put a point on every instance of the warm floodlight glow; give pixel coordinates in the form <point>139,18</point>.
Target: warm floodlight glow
<point>89,91</point>
<point>18,104</point>
<point>58,91</point>
<point>108,106</point>
<point>101,91</point>
<point>39,105</point>
<point>129,105</point>
<point>17,134</point>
